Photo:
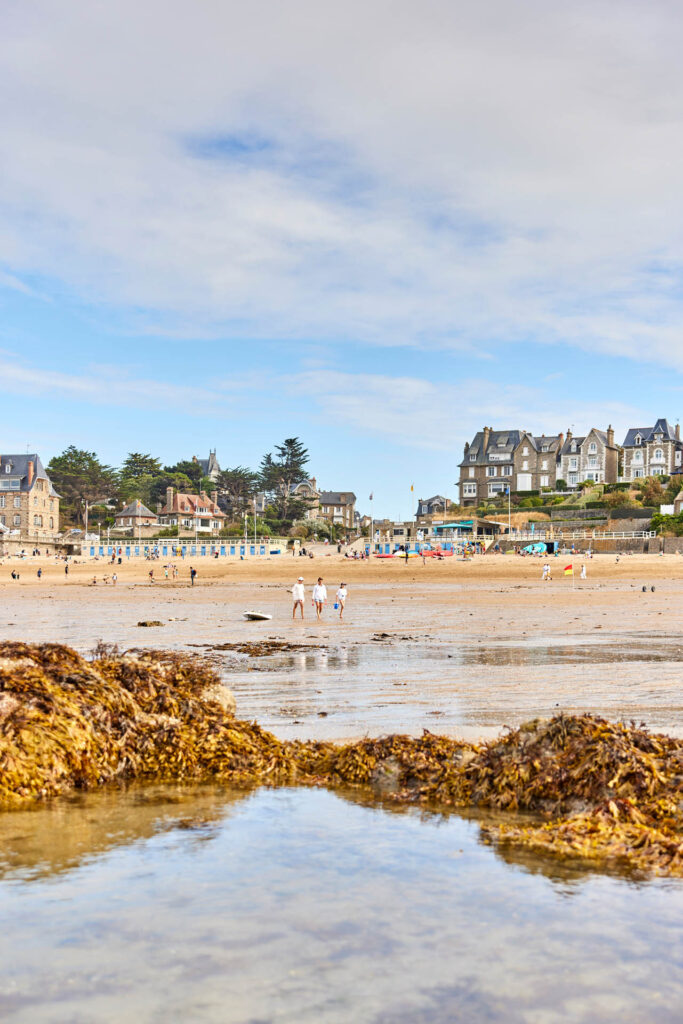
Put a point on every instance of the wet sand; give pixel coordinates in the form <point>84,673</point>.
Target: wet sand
<point>462,648</point>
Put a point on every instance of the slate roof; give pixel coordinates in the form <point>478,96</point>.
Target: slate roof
<point>337,497</point>
<point>209,465</point>
<point>648,433</point>
<point>19,464</point>
<point>566,447</point>
<point>499,441</point>
<point>136,510</point>
<point>551,441</point>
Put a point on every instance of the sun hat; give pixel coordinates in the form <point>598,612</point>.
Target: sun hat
<point>300,579</point>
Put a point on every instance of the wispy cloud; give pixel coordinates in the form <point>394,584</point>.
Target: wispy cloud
<point>456,175</point>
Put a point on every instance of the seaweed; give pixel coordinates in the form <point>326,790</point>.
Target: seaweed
<point>607,792</point>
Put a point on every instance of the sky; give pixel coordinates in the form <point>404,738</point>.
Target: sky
<point>376,226</point>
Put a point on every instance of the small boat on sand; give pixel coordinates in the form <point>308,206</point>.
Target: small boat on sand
<point>257,616</point>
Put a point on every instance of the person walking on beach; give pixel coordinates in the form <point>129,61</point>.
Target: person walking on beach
<point>341,599</point>
<point>66,569</point>
<point>39,573</point>
<point>298,597</point>
<point>319,596</point>
<point>583,572</point>
<point>114,578</point>
<point>193,573</point>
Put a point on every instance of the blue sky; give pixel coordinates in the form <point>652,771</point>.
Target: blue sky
<point>377,227</point>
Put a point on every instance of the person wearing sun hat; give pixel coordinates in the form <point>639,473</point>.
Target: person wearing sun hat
<point>298,596</point>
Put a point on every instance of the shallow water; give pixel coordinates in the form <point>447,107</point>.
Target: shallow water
<point>165,904</point>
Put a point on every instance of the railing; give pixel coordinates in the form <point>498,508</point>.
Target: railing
<point>563,535</point>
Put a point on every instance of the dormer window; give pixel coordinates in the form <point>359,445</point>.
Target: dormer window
<point>639,439</point>
<point>573,448</point>
<point>545,448</point>
<point>8,467</point>
<point>473,458</point>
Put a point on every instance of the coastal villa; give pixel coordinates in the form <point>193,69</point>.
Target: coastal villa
<point>652,451</point>
<point>427,508</point>
<point>192,512</point>
<point>500,459</point>
<point>209,467</point>
<point>593,457</point>
<point>338,508</point>
<point>29,504</point>
<point>308,491</point>
<point>135,515</point>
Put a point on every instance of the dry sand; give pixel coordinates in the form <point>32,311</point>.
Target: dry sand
<point>469,647</point>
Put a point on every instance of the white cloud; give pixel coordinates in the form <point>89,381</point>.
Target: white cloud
<point>441,416</point>
<point>442,174</point>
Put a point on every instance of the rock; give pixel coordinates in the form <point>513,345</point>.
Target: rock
<point>150,622</point>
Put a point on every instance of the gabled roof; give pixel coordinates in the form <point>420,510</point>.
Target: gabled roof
<point>567,446</point>
<point>19,467</point>
<point>188,504</point>
<point>499,441</point>
<point>136,510</point>
<point>662,426</point>
<point>551,441</point>
<point>210,465</point>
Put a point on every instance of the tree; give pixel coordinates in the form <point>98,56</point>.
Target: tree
<point>236,488</point>
<point>190,468</point>
<point>159,485</point>
<point>79,477</point>
<point>137,465</point>
<point>279,475</point>
<point>652,493</point>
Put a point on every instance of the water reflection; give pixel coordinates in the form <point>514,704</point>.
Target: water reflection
<point>299,905</point>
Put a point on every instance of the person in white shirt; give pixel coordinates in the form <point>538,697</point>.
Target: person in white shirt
<point>341,598</point>
<point>298,596</point>
<point>319,596</point>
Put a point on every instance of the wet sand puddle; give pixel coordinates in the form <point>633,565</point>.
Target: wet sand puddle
<point>469,689</point>
<point>305,905</point>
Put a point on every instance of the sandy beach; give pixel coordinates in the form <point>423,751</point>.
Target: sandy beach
<point>463,648</point>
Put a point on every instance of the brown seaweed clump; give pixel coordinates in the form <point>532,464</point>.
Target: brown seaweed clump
<point>608,792</point>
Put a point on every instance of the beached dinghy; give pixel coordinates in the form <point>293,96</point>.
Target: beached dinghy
<point>257,616</point>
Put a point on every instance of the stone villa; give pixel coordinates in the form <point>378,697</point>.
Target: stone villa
<point>29,503</point>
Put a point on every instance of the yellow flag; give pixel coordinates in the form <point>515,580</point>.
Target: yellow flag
<point>412,487</point>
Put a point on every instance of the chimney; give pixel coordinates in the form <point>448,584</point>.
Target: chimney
<point>313,484</point>
<point>30,473</point>
<point>678,431</point>
<point>159,507</point>
<point>214,497</point>
<point>169,498</point>
<point>560,441</point>
<point>487,434</point>
<point>610,436</point>
<point>569,435</point>
<point>195,459</point>
<point>467,447</point>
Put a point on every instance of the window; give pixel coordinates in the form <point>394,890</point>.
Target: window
<point>678,458</point>
<point>590,476</point>
<point>471,471</point>
<point>17,502</point>
<point>573,447</point>
<point>657,470</point>
<point>525,464</point>
<point>573,464</point>
<point>638,472</point>
<point>638,439</point>
<point>637,456</point>
<point>545,448</point>
<point>37,520</point>
<point>491,471</point>
<point>658,455</point>
<point>13,484</point>
<point>545,481</point>
<point>2,520</point>
<point>8,467</point>
<point>525,450</point>
<point>592,460</point>
<point>496,488</point>
<point>592,447</point>
<point>2,500</point>
<point>469,490</point>
<point>544,464</point>
<point>473,458</point>
<point>17,520</point>
<point>506,470</point>
<point>573,479</point>
<point>35,502</point>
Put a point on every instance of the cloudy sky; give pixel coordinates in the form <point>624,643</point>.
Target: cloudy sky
<point>377,226</point>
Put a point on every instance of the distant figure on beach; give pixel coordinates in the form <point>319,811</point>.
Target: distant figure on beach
<point>39,573</point>
<point>66,570</point>
<point>341,599</point>
<point>298,597</point>
<point>114,578</point>
<point>151,575</point>
<point>193,573</point>
<point>583,572</point>
<point>407,551</point>
<point>319,596</point>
